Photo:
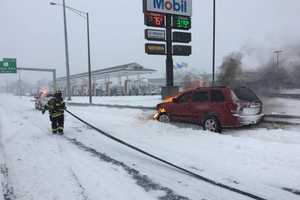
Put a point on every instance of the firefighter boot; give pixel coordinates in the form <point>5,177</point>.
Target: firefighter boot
<point>60,130</point>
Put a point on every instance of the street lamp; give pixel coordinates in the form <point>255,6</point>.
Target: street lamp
<point>84,15</point>
<point>66,50</point>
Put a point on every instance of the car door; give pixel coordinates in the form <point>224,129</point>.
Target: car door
<point>199,105</point>
<point>218,104</point>
<point>180,108</point>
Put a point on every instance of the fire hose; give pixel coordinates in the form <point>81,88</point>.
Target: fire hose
<point>197,176</point>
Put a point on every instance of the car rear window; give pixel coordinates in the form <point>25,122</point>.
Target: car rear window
<point>245,94</point>
<point>200,96</point>
<point>217,96</point>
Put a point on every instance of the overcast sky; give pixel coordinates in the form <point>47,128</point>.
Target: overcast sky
<point>32,32</point>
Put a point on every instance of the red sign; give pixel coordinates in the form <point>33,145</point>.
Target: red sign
<point>155,20</point>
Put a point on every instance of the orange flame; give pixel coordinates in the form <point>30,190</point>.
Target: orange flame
<point>167,100</point>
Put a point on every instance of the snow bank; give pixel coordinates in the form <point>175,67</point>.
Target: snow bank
<point>281,106</point>
<point>147,101</point>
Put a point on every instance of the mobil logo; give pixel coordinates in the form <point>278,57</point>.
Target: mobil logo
<point>175,5</point>
<point>178,7</point>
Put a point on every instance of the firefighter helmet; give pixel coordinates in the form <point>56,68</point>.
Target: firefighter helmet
<point>58,94</point>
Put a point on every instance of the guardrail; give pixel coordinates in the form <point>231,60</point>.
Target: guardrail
<point>112,106</point>
<point>289,96</point>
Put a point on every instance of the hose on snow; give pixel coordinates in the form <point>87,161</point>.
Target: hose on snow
<point>202,178</point>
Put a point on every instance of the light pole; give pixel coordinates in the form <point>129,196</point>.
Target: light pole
<point>19,85</point>
<point>85,15</point>
<point>214,43</point>
<point>277,53</point>
<point>66,49</point>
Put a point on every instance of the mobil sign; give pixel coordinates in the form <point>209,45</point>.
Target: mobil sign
<point>176,7</point>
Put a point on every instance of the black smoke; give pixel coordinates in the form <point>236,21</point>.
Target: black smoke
<point>231,69</point>
<point>268,77</point>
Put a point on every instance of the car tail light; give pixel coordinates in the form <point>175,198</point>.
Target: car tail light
<point>233,107</point>
<point>247,108</point>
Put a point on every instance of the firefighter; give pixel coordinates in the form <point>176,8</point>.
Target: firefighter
<point>56,106</point>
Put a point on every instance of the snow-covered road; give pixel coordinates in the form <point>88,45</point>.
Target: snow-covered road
<point>85,165</point>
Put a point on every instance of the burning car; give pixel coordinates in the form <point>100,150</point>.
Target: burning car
<point>213,108</point>
<point>41,99</point>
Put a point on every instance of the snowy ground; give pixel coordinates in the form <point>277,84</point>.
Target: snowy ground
<point>86,165</point>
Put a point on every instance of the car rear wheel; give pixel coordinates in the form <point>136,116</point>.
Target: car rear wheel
<point>164,118</point>
<point>212,124</point>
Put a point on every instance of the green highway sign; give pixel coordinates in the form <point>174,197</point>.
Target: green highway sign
<point>8,65</point>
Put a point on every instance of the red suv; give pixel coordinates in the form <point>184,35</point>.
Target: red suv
<point>213,108</point>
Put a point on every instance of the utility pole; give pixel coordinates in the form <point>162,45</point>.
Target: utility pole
<point>169,59</point>
<point>67,52</point>
<point>89,58</point>
<point>19,85</point>
<point>278,52</point>
<point>214,43</point>
<point>6,83</point>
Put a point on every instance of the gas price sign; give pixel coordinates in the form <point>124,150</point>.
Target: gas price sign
<point>155,35</point>
<point>181,22</point>
<point>182,37</point>
<point>182,50</point>
<point>155,20</point>
<point>155,49</point>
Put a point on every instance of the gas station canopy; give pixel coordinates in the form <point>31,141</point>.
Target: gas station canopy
<point>130,69</point>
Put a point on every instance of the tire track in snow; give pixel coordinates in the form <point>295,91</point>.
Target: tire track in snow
<point>141,180</point>
<point>7,189</point>
<point>293,191</point>
<point>82,190</point>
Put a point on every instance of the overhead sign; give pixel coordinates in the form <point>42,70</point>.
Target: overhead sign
<point>181,22</point>
<point>182,37</point>
<point>8,65</point>
<point>175,7</point>
<point>155,49</point>
<point>155,20</point>
<point>155,35</point>
<point>182,50</point>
